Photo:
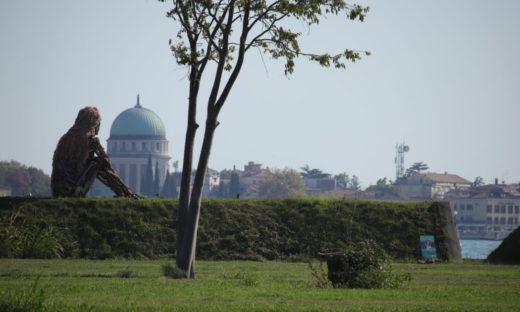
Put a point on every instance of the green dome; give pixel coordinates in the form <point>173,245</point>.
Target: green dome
<point>137,123</point>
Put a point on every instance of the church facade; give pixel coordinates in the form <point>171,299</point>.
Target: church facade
<point>137,135</point>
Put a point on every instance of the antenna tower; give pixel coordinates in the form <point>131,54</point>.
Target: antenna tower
<point>399,159</point>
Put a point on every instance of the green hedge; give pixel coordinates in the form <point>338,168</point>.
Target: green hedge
<point>229,229</point>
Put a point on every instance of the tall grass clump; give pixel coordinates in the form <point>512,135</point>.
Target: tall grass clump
<point>126,273</point>
<point>27,300</point>
<point>30,238</point>
<point>245,278</point>
<point>319,276</point>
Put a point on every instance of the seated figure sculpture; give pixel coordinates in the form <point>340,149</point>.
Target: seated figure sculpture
<point>79,159</point>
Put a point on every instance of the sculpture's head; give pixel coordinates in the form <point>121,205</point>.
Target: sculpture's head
<point>74,145</point>
<point>87,121</point>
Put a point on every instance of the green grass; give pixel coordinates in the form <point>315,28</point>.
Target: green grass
<point>88,285</point>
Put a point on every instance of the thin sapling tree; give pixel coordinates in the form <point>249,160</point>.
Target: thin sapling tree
<point>221,32</point>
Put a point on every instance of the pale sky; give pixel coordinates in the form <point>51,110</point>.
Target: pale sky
<point>444,76</point>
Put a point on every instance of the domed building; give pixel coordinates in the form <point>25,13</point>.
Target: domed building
<point>136,135</point>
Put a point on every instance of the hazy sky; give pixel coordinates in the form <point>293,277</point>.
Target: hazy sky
<point>444,76</point>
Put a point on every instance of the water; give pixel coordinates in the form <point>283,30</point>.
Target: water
<point>478,248</point>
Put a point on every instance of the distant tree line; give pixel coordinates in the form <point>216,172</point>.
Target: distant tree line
<point>229,186</point>
<point>23,180</point>
<point>150,183</point>
<point>343,180</point>
<point>280,183</point>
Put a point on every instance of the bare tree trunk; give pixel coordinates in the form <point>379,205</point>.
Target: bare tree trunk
<point>187,259</point>
<point>187,164</point>
<point>189,208</point>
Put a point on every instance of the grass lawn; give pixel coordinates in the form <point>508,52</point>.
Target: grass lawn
<point>87,285</point>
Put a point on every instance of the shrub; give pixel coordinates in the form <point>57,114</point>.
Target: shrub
<point>126,273</point>
<point>363,265</point>
<point>171,271</point>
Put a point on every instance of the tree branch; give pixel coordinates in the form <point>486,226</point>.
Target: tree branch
<point>180,10</point>
<point>268,29</point>
<point>222,59</point>
<point>262,15</point>
<point>238,65</point>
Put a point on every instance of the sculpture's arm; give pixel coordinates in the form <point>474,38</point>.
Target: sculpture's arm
<point>106,173</point>
<point>99,151</point>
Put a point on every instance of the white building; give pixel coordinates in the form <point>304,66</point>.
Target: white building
<point>136,134</point>
<point>486,212</point>
<point>211,182</point>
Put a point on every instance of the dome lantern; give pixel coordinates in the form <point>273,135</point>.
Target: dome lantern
<point>138,105</point>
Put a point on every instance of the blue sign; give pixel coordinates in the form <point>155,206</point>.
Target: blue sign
<point>428,246</point>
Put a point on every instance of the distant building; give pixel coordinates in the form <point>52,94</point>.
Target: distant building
<point>344,194</point>
<point>251,178</point>
<point>136,134</point>
<point>211,182</point>
<point>252,168</point>
<point>364,195</point>
<point>5,191</point>
<point>485,212</point>
<point>319,185</point>
<point>431,185</point>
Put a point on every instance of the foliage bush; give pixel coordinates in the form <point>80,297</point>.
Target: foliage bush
<point>230,229</point>
<point>363,265</point>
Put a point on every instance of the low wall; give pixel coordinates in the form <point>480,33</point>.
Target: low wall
<point>229,229</point>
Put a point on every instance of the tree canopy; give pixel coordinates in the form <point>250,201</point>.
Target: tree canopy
<point>223,31</point>
<point>234,185</point>
<point>315,173</point>
<point>24,180</point>
<point>479,181</point>
<point>282,183</point>
<point>342,180</point>
<point>383,185</point>
<point>354,183</point>
<point>416,167</point>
